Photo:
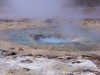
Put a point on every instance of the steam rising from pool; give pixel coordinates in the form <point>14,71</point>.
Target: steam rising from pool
<point>36,8</point>
<point>53,9</point>
<point>56,40</point>
<point>50,9</point>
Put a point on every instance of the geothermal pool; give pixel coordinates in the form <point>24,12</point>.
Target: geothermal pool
<point>53,40</point>
<point>71,34</point>
<point>59,34</point>
<point>50,37</point>
<point>59,9</point>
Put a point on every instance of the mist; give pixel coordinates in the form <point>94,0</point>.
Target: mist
<point>67,9</point>
<point>51,9</point>
<point>36,8</point>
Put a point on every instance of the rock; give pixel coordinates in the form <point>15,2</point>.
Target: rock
<point>39,56</point>
<point>7,53</point>
<point>26,69</point>
<point>51,57</point>
<point>20,49</point>
<point>26,61</point>
<point>76,62</point>
<point>12,48</point>
<point>13,53</point>
<point>68,58</point>
<point>70,74</point>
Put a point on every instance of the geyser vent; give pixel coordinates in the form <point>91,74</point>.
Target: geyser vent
<point>53,38</point>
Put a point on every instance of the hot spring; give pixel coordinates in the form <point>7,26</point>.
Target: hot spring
<point>53,38</point>
<point>60,35</point>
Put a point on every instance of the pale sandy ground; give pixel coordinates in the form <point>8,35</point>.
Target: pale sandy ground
<point>12,24</point>
<point>87,23</point>
<point>93,24</point>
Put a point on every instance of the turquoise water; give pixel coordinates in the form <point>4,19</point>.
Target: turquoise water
<point>22,39</point>
<point>54,40</point>
<point>21,36</point>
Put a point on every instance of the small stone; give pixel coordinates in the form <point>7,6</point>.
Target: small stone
<point>68,58</point>
<point>12,48</point>
<point>29,55</point>
<point>76,62</point>
<point>13,53</point>
<point>70,74</point>
<point>20,49</point>
<point>39,56</point>
<point>26,61</point>
<point>26,69</point>
<point>51,57</point>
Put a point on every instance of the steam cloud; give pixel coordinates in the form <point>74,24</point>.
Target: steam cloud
<point>52,9</point>
<point>36,8</point>
<point>49,9</point>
